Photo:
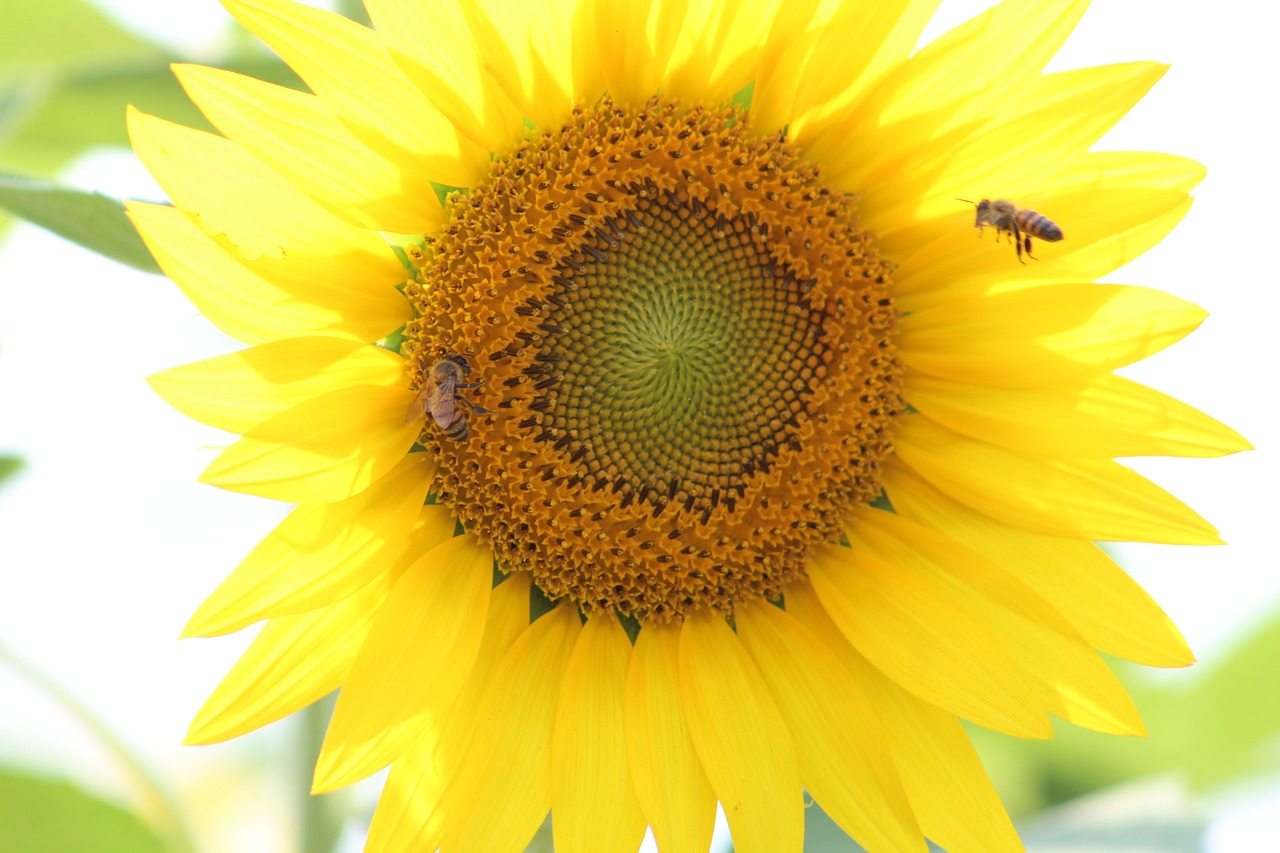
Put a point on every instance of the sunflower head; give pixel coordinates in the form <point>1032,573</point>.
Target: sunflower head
<point>688,445</point>
<point>685,343</point>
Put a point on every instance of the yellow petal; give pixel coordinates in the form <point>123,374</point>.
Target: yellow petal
<point>1044,335</point>
<point>322,553</point>
<point>637,38</point>
<point>349,69</point>
<point>295,135</point>
<point>529,49</point>
<point>595,808</point>
<point>948,787</point>
<point>411,810</point>
<point>741,738</point>
<point>719,49</point>
<point>1082,498</point>
<point>816,93</point>
<point>1070,679</point>
<point>240,390</point>
<point>413,663</point>
<point>508,769</point>
<point>236,196</point>
<point>325,449</point>
<point>674,792</point>
<point>935,97</point>
<point>783,60</point>
<point>1061,116</point>
<point>917,633</point>
<point>244,305</point>
<point>1106,416</point>
<point>293,661</point>
<point>1109,609</point>
<point>435,50</point>
<point>1114,205</point>
<point>835,728</point>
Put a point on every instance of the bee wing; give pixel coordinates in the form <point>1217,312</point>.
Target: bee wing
<point>440,398</point>
<point>418,408</point>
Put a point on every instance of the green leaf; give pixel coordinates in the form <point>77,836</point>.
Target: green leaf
<point>67,32</point>
<point>90,219</point>
<point>9,465</point>
<point>1212,726</point>
<point>88,109</point>
<point>1232,710</point>
<point>42,815</point>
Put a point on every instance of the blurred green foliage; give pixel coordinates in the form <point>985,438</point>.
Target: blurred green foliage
<point>67,72</point>
<point>1212,727</point>
<point>48,816</point>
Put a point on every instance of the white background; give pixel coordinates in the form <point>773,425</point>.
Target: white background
<point>107,544</point>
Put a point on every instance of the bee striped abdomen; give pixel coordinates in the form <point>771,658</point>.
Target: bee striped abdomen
<point>1033,224</point>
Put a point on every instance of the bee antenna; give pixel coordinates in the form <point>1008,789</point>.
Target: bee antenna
<point>966,201</point>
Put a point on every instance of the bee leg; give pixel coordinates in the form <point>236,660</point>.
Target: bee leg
<point>1027,240</point>
<point>479,410</point>
<point>1017,241</point>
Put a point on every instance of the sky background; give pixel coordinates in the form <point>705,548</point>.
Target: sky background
<point>108,544</point>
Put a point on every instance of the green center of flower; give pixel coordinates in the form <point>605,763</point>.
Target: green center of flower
<point>701,347</point>
<point>684,344</point>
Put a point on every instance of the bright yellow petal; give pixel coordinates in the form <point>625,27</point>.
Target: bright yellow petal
<point>595,807</point>
<point>948,786</point>
<point>434,48</point>
<point>348,273</point>
<point>917,633</point>
<point>719,49</point>
<point>240,390</point>
<point>667,774</point>
<point>293,661</point>
<point>1061,116</point>
<point>244,305</point>
<point>637,38</point>
<point>411,810</point>
<point>741,738</point>
<point>325,449</point>
<point>1105,417</point>
<point>233,195</point>
<point>835,728</point>
<point>322,553</point>
<point>1044,335</point>
<point>415,660</point>
<point>528,47</point>
<point>294,134</point>
<point>884,33</point>
<point>935,98</point>
<point>1083,498</point>
<point>1109,609</point>
<point>508,769</point>
<point>1114,205</point>
<point>1070,679</point>
<point>348,67</point>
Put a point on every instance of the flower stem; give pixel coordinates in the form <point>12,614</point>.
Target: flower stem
<point>319,817</point>
<point>157,803</point>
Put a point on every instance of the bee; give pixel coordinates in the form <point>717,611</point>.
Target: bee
<point>440,397</point>
<point>1020,223</point>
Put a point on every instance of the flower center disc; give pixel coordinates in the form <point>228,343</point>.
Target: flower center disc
<point>685,345</point>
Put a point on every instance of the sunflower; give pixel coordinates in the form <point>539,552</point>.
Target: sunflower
<point>660,429</point>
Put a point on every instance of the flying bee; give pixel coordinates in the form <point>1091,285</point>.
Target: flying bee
<point>1020,223</point>
<point>440,397</point>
